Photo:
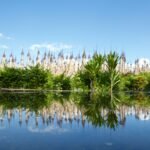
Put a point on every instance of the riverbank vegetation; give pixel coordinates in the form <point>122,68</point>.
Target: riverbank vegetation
<point>99,74</point>
<point>99,110</point>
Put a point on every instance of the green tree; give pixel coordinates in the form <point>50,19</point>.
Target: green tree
<point>33,77</point>
<point>112,60</point>
<point>61,82</point>
<point>91,72</point>
<point>136,83</point>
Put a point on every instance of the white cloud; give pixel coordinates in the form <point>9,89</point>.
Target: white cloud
<point>4,47</point>
<point>51,46</point>
<point>9,38</point>
<point>2,36</point>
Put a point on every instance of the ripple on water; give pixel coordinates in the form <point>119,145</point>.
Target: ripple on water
<point>108,144</point>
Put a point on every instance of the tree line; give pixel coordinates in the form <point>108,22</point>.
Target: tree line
<point>99,74</point>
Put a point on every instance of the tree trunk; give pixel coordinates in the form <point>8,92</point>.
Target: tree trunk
<point>91,86</point>
<point>111,86</point>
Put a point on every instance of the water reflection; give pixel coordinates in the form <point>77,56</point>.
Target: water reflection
<point>45,110</point>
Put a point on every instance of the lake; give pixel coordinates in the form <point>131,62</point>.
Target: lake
<point>70,121</point>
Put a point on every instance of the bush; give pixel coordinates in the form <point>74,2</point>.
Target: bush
<point>61,82</point>
<point>33,77</point>
<point>135,83</point>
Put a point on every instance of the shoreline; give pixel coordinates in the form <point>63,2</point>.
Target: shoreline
<point>63,91</point>
<point>37,90</point>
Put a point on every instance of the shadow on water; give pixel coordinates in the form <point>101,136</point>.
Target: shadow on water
<point>99,109</point>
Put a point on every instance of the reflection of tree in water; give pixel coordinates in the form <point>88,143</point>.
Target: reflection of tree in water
<point>99,110</point>
<point>32,101</point>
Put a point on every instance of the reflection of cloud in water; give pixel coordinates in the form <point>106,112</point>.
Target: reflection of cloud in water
<point>143,117</point>
<point>2,128</point>
<point>49,129</point>
<point>108,144</point>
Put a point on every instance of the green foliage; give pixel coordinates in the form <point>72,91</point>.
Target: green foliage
<point>81,80</point>
<point>11,77</point>
<point>61,82</point>
<point>49,84</point>
<point>33,77</point>
<point>132,82</point>
<point>89,76</point>
<point>112,60</point>
<point>147,77</point>
<point>92,107</point>
<point>98,109</point>
<point>98,79</point>
<point>100,74</point>
<point>32,101</point>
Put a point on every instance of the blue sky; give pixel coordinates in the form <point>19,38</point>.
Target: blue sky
<point>72,25</point>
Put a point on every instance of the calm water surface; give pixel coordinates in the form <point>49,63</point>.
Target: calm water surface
<point>76,121</point>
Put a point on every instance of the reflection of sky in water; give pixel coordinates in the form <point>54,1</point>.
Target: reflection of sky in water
<point>72,135</point>
<point>49,129</point>
<point>70,127</point>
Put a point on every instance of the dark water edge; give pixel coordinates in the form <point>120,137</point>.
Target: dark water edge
<point>67,121</point>
<point>65,91</point>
